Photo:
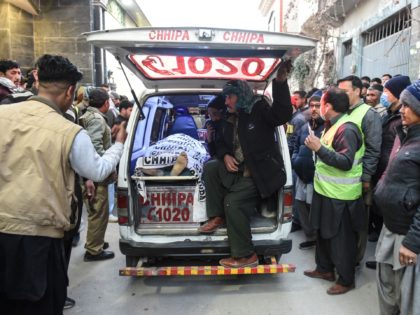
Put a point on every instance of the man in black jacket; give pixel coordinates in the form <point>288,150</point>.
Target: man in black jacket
<point>253,168</point>
<point>392,119</point>
<point>398,197</point>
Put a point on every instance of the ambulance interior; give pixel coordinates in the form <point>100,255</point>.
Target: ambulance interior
<point>164,116</point>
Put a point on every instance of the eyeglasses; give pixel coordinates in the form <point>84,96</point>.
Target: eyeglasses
<point>316,105</point>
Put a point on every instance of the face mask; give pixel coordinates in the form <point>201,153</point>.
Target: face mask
<point>384,100</point>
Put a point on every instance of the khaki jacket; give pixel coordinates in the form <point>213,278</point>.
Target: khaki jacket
<point>96,126</point>
<point>36,178</point>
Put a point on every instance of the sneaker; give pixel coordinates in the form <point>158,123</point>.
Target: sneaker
<point>307,245</point>
<point>69,303</point>
<point>113,218</point>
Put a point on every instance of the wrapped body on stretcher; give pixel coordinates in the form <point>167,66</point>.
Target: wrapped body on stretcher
<point>175,155</point>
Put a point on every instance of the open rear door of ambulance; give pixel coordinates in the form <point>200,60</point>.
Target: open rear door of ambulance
<point>168,58</point>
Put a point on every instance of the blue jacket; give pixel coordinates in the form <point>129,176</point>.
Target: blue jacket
<point>302,161</point>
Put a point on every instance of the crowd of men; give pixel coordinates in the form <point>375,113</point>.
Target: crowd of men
<point>357,179</point>
<point>349,145</point>
<point>355,150</point>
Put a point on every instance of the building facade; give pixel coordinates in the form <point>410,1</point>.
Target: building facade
<point>371,37</point>
<point>30,28</point>
<point>380,36</point>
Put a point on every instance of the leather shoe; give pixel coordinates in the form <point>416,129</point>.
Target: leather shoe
<point>251,261</point>
<point>69,303</point>
<point>371,264</point>
<point>105,254</point>
<point>307,245</point>
<point>106,245</point>
<point>329,276</point>
<point>211,225</point>
<point>340,289</point>
<point>295,227</point>
<point>373,237</point>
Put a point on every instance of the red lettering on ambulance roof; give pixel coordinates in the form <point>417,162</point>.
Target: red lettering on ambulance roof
<point>169,35</point>
<point>243,37</point>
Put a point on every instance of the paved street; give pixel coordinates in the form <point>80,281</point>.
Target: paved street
<point>98,289</point>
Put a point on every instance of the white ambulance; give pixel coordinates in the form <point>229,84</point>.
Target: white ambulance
<point>182,69</point>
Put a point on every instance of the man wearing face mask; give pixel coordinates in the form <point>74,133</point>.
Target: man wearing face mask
<point>390,99</point>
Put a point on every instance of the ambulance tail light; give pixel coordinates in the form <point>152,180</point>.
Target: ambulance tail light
<point>122,206</point>
<point>287,205</point>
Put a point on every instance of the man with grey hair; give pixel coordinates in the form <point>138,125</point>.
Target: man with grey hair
<point>373,97</point>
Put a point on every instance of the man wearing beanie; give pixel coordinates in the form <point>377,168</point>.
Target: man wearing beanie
<point>390,99</point>
<point>397,194</point>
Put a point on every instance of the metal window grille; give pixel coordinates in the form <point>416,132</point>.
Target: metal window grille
<point>396,23</point>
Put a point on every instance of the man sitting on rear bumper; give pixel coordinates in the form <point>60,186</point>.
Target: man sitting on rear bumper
<point>252,169</point>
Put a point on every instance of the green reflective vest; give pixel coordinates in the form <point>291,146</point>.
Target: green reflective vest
<point>332,182</point>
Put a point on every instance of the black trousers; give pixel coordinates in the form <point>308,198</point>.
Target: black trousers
<point>234,196</point>
<point>33,275</point>
<point>338,251</point>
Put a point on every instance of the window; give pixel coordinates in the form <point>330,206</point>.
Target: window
<point>347,47</point>
<point>396,23</point>
<point>158,122</point>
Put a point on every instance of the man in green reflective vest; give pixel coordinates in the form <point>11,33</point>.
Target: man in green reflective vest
<point>371,126</point>
<point>337,211</point>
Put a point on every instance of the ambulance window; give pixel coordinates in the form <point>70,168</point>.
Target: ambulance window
<point>158,125</point>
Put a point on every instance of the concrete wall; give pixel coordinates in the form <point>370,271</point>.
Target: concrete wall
<point>57,31</point>
<point>16,34</point>
<point>415,44</point>
<point>295,13</point>
<point>366,15</point>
